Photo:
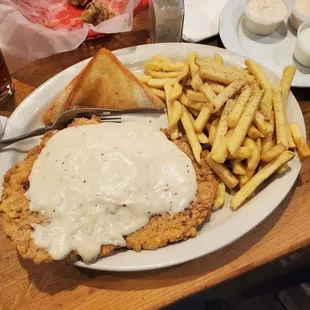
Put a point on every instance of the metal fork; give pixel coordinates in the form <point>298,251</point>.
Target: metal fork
<point>64,119</point>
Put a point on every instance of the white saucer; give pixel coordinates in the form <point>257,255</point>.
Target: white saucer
<point>201,19</point>
<point>274,51</point>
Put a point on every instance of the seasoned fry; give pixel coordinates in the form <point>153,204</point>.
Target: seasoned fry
<point>258,142</point>
<point>164,66</point>
<point>219,152</point>
<point>175,115</point>
<point>143,78</point>
<point>282,169</point>
<point>162,74</point>
<point>203,60</point>
<point>220,198</point>
<point>226,94</point>
<point>262,125</point>
<point>212,130</point>
<point>268,143</point>
<point>159,58</point>
<point>254,159</point>
<point>195,96</point>
<point>225,77</point>
<point>280,117</point>
<point>194,112</point>
<point>273,153</point>
<point>216,87</point>
<point>259,178</point>
<point>223,172</point>
<point>301,144</point>
<point>253,132</point>
<point>159,93</point>
<point>244,123</point>
<point>260,76</point>
<point>286,81</point>
<point>291,143</point>
<point>265,106</point>
<point>243,179</point>
<point>237,167</point>
<point>255,86</point>
<point>239,107</point>
<point>159,83</point>
<point>191,135</point>
<point>203,139</point>
<point>218,58</point>
<point>168,90</point>
<point>176,91</point>
<point>202,119</point>
<point>196,82</point>
<point>207,92</point>
<point>192,65</point>
<point>184,72</point>
<point>243,153</point>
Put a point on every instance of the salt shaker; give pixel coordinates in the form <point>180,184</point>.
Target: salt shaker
<point>166,20</point>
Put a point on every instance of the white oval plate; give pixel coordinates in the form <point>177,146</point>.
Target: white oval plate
<point>225,226</point>
<point>274,51</point>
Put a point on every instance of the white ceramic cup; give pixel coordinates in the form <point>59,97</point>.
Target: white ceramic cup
<point>302,48</point>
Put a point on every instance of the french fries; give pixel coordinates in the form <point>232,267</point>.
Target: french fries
<point>280,117</point>
<point>219,150</point>
<point>265,106</point>
<point>220,198</point>
<point>202,119</point>
<point>260,76</point>
<point>195,96</point>
<point>175,115</point>
<point>207,91</point>
<point>259,178</point>
<point>163,66</point>
<point>227,93</point>
<point>191,135</point>
<point>262,125</point>
<point>273,153</point>
<point>196,82</point>
<point>235,113</point>
<point>301,144</point>
<point>244,123</point>
<point>239,107</point>
<point>254,159</point>
<point>237,167</point>
<point>222,172</point>
<point>163,74</point>
<point>176,92</point>
<point>192,65</point>
<point>143,78</point>
<point>286,81</point>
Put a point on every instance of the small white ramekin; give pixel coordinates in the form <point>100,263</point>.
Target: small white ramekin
<point>297,18</point>
<point>261,26</point>
<point>302,52</point>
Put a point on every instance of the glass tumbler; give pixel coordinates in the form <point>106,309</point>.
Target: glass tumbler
<point>166,18</point>
<point>6,83</point>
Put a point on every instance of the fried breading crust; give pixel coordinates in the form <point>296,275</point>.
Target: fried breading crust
<point>168,228</point>
<point>161,229</point>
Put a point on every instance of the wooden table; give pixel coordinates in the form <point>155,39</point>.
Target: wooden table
<point>25,285</point>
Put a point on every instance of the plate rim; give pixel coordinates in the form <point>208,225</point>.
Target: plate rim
<point>232,33</point>
<point>126,52</point>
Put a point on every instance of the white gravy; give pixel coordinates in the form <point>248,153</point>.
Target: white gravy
<point>98,183</point>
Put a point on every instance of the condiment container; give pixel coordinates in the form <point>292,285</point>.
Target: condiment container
<point>302,48</point>
<point>257,24</point>
<point>300,13</point>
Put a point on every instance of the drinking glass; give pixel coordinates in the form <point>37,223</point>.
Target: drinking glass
<point>6,83</point>
<point>166,18</point>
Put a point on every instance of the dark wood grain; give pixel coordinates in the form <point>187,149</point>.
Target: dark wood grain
<point>25,285</point>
